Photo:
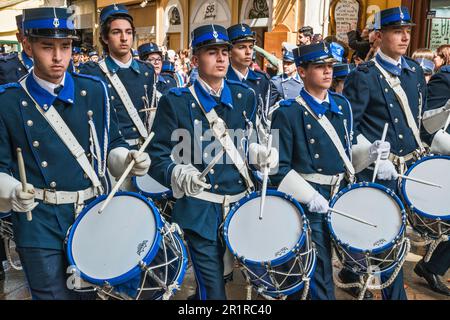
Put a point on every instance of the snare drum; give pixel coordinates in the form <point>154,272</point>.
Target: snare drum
<point>276,253</point>
<point>428,207</point>
<point>129,240</point>
<point>363,248</point>
<point>152,189</point>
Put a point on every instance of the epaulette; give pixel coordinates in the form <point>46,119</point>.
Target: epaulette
<point>178,91</point>
<point>263,74</point>
<point>286,103</point>
<point>237,83</point>
<point>3,87</point>
<point>364,67</point>
<point>9,56</point>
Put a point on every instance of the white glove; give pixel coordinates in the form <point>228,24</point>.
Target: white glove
<point>379,147</point>
<point>386,170</point>
<point>185,180</point>
<point>141,165</point>
<point>260,156</point>
<point>23,201</point>
<point>441,143</point>
<point>318,204</point>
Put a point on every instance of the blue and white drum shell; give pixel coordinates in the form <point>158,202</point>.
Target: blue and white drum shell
<point>276,252</point>
<point>364,248</point>
<point>428,206</point>
<point>151,188</point>
<point>107,248</point>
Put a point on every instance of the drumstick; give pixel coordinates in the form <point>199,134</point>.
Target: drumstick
<point>377,162</point>
<point>212,164</point>
<point>265,177</point>
<point>352,217</point>
<point>126,172</point>
<point>420,181</point>
<point>23,177</point>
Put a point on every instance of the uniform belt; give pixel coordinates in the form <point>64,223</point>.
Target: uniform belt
<point>134,142</point>
<point>50,196</point>
<point>322,179</point>
<point>219,198</point>
<point>410,156</point>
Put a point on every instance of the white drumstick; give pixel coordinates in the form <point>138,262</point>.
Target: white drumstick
<point>23,177</point>
<point>212,164</point>
<point>420,181</point>
<point>265,178</point>
<point>126,172</point>
<point>352,217</point>
<point>377,162</point>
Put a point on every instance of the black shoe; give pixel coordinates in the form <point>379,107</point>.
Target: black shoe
<point>355,291</point>
<point>433,280</point>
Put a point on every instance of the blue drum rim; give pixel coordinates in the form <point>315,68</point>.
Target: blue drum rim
<point>136,269</point>
<point>363,185</point>
<point>184,262</point>
<point>158,196</point>
<point>252,196</point>
<point>405,196</point>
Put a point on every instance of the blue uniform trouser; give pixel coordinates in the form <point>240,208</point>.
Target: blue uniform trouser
<point>207,260</point>
<point>322,286</point>
<point>45,270</point>
<point>440,259</point>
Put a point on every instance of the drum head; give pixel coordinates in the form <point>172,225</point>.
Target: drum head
<point>430,200</point>
<point>374,205</point>
<point>109,245</point>
<point>270,238</point>
<point>149,185</point>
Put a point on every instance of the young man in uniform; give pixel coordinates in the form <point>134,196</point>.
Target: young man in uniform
<point>389,89</point>
<point>313,166</point>
<point>151,53</point>
<point>188,118</point>
<point>47,115</point>
<point>130,81</point>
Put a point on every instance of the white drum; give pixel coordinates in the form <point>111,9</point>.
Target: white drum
<point>428,207</point>
<point>361,247</point>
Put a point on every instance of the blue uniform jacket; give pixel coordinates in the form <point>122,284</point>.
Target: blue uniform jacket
<point>165,83</point>
<point>304,145</point>
<point>374,103</point>
<point>46,157</point>
<point>179,110</point>
<point>11,67</point>
<point>256,80</point>
<point>284,88</point>
<point>138,80</point>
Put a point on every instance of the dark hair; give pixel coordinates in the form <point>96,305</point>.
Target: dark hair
<point>106,27</point>
<point>307,31</point>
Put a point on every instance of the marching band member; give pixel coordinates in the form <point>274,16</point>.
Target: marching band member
<point>53,116</point>
<point>214,104</point>
<point>288,85</point>
<point>340,73</point>
<point>130,81</point>
<point>437,101</point>
<point>313,165</point>
<point>389,89</point>
<point>152,53</point>
<point>167,71</point>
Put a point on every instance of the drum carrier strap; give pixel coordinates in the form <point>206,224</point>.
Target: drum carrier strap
<point>220,132</point>
<point>65,134</point>
<point>332,134</point>
<point>126,100</point>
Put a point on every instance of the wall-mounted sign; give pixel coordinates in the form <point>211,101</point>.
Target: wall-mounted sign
<point>440,32</point>
<point>345,16</point>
